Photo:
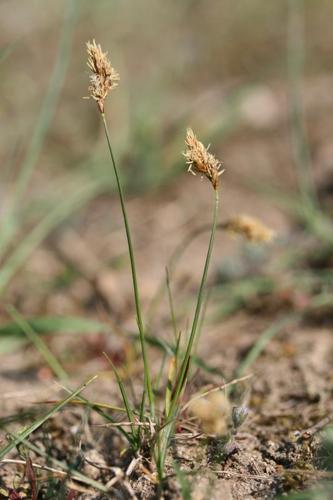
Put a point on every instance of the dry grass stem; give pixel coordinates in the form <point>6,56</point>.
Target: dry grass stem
<point>104,77</point>
<point>200,161</point>
<point>249,227</point>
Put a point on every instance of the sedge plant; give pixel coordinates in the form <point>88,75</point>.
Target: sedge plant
<point>149,426</point>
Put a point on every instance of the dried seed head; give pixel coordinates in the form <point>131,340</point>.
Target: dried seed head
<point>104,77</point>
<point>213,412</point>
<point>249,227</point>
<point>200,161</point>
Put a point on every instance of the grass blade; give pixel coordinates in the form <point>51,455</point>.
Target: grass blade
<point>6,51</point>
<point>38,343</point>
<point>48,324</point>
<point>74,474</point>
<point>44,227</point>
<point>147,375</point>
<point>171,305</point>
<point>274,329</point>
<point>12,336</point>
<point>43,123</point>
<point>129,411</point>
<point>296,55</point>
<point>263,340</point>
<point>185,363</point>
<point>40,421</point>
<point>166,433</point>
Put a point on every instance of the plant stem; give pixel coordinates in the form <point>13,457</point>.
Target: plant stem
<point>184,367</point>
<point>166,432</point>
<point>147,377</point>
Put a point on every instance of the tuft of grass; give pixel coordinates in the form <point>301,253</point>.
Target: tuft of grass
<point>154,428</point>
<point>151,423</point>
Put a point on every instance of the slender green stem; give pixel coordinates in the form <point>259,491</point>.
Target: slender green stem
<point>166,432</point>
<point>148,384</point>
<point>184,366</point>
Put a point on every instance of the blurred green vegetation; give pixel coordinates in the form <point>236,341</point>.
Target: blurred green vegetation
<point>170,56</point>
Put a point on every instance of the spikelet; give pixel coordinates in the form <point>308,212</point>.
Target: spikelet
<point>249,227</point>
<point>104,77</point>
<point>200,161</point>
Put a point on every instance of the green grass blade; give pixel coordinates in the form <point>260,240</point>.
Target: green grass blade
<point>171,305</point>
<point>172,370</point>
<point>43,228</point>
<point>74,474</point>
<point>12,336</point>
<point>40,421</point>
<point>49,324</point>
<point>185,363</point>
<point>147,375</point>
<point>166,433</point>
<point>273,330</point>
<point>127,404</point>
<point>296,57</point>
<point>6,51</point>
<point>98,409</point>
<point>50,102</point>
<point>43,123</point>
<point>38,343</point>
<point>266,336</point>
<point>10,344</point>
<point>174,260</point>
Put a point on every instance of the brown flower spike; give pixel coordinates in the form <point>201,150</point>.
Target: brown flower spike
<point>104,77</point>
<point>252,229</point>
<point>200,161</point>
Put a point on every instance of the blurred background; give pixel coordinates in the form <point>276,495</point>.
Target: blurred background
<point>252,78</point>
